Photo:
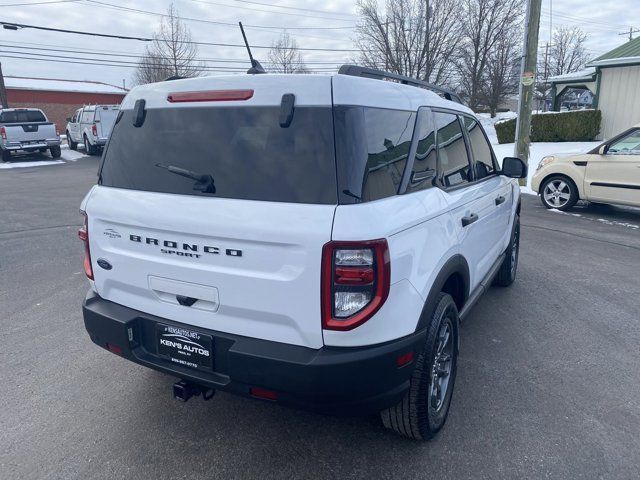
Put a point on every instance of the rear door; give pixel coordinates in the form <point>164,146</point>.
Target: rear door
<point>615,177</point>
<point>74,126</point>
<point>471,202</point>
<point>219,203</point>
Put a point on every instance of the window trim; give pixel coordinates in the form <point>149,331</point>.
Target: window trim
<point>496,167</point>
<point>438,182</point>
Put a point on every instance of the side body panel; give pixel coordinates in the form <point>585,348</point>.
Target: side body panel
<point>613,178</point>
<point>421,237</point>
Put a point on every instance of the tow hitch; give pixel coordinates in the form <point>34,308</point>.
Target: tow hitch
<point>184,390</point>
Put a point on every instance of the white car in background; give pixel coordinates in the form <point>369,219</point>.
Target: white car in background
<point>91,126</point>
<point>610,173</point>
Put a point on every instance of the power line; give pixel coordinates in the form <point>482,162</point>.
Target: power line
<point>128,55</point>
<point>213,22</point>
<point>271,11</point>
<point>292,8</point>
<point>36,3</point>
<point>121,63</point>
<point>147,39</point>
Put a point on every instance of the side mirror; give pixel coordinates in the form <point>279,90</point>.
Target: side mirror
<point>68,119</point>
<point>603,149</point>
<point>514,168</point>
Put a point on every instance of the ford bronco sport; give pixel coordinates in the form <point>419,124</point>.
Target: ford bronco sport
<point>303,239</point>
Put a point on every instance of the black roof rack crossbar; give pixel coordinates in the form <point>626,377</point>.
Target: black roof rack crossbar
<point>365,72</point>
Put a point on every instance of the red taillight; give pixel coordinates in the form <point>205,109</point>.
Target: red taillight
<point>114,348</point>
<point>263,393</point>
<point>404,359</point>
<point>83,234</point>
<point>94,130</point>
<point>3,133</point>
<point>57,130</point>
<point>355,282</point>
<point>210,96</point>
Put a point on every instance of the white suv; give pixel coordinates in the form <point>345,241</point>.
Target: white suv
<point>308,240</point>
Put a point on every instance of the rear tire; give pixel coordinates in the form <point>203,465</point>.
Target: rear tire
<point>559,192</point>
<point>507,273</point>
<point>424,409</point>
<point>89,149</point>
<point>55,151</point>
<point>72,145</point>
<point>6,156</point>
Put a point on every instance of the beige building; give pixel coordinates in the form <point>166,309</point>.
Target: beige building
<point>614,80</point>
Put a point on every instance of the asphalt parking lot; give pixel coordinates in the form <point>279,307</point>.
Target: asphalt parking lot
<point>548,382</point>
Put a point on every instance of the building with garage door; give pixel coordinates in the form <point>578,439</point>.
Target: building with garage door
<point>614,81</point>
<point>59,98</point>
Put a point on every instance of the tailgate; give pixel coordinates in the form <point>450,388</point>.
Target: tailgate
<point>29,132</point>
<point>252,266</point>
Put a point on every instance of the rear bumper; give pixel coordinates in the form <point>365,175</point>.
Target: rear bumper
<point>14,146</point>
<point>350,381</point>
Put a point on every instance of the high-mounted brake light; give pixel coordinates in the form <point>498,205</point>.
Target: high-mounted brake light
<point>210,96</point>
<point>3,133</point>
<point>94,130</point>
<point>355,282</point>
<point>83,234</point>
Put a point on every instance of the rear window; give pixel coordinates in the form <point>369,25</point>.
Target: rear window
<point>243,151</point>
<point>107,117</point>
<point>22,116</point>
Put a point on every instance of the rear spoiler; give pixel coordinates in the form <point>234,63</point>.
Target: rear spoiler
<point>365,72</point>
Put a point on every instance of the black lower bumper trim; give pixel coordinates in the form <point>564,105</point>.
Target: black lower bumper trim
<point>355,380</point>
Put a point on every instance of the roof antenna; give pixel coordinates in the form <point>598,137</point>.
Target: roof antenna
<point>255,64</point>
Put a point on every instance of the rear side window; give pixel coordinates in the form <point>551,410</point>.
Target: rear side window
<point>22,116</point>
<point>372,146</point>
<point>483,160</point>
<point>425,164</point>
<point>87,116</point>
<point>454,167</point>
<point>240,152</point>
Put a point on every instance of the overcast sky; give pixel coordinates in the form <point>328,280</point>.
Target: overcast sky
<point>314,23</point>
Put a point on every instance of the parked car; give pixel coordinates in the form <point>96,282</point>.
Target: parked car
<point>91,126</point>
<point>315,242</point>
<point>610,173</point>
<point>27,129</point>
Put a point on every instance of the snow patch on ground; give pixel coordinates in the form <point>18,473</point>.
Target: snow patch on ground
<point>71,155</point>
<point>6,166</point>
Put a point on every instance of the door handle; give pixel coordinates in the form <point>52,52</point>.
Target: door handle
<point>469,219</point>
<point>500,200</point>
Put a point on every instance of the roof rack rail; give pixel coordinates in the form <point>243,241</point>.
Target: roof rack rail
<point>365,72</point>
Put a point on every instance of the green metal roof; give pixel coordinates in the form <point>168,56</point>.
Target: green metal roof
<point>629,49</point>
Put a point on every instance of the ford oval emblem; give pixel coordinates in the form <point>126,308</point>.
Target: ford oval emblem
<point>104,264</point>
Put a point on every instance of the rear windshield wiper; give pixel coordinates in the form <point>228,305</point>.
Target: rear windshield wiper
<point>204,181</point>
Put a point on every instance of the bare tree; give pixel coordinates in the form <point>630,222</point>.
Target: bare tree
<point>170,54</point>
<point>284,56</point>
<point>485,23</point>
<point>502,71</point>
<point>567,53</point>
<point>417,38</point>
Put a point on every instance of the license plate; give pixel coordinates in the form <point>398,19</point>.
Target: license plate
<point>185,347</point>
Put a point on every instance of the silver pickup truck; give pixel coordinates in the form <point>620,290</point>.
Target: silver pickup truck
<point>27,129</point>
<point>91,126</point>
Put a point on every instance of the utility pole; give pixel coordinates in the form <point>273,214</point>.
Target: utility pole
<point>546,75</point>
<point>527,80</point>
<point>630,33</point>
<point>3,91</point>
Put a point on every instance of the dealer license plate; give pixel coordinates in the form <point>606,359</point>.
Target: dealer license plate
<point>185,347</point>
